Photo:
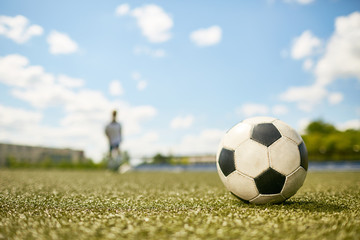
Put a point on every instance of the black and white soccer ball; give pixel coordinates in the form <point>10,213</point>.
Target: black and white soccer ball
<point>262,160</point>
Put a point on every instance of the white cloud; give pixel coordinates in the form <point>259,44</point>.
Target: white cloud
<point>146,144</point>
<point>206,142</point>
<point>122,9</point>
<point>15,71</point>
<point>16,118</point>
<point>115,88</point>
<point>154,22</point>
<point>25,127</point>
<point>305,45</point>
<point>304,1</point>
<point>301,2</point>
<point>252,109</point>
<point>307,93</point>
<point>18,28</point>
<point>306,97</point>
<point>61,43</point>
<point>43,96</point>
<point>340,60</point>
<point>351,124</point>
<point>206,36</point>
<point>182,122</point>
<point>308,64</point>
<point>279,110</point>
<point>335,98</point>
<point>70,82</point>
<point>33,84</point>
<point>92,107</point>
<point>87,100</point>
<point>149,143</point>
<point>155,53</point>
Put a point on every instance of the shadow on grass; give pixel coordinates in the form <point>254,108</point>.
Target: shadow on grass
<point>302,205</point>
<point>314,206</point>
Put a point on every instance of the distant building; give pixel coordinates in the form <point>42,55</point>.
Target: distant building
<point>32,154</point>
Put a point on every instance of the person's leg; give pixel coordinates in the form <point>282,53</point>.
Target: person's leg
<point>118,155</point>
<point>118,151</point>
<point>110,151</point>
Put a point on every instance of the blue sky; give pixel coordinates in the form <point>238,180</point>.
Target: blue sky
<point>179,73</point>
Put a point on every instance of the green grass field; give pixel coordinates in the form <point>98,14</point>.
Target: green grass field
<point>103,205</point>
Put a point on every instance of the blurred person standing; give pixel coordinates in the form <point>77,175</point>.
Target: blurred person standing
<point>114,135</point>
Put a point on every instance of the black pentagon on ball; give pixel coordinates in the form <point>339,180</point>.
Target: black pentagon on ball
<point>270,182</point>
<point>226,161</point>
<point>303,156</point>
<point>265,133</point>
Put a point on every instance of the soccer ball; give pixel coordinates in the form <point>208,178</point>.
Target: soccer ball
<point>262,160</point>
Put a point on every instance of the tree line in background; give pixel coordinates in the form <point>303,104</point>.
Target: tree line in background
<point>323,141</point>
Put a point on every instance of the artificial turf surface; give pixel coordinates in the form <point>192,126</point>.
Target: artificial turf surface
<point>103,205</point>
